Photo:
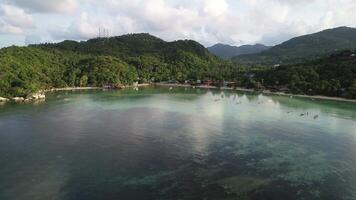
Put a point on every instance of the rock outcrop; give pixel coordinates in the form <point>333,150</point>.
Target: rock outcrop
<point>40,96</point>
<point>36,96</point>
<point>18,99</point>
<point>114,86</point>
<point>2,99</point>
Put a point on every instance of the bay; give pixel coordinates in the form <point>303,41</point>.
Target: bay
<point>184,143</point>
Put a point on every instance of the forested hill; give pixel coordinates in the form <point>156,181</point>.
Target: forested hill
<point>132,45</point>
<point>106,61</point>
<point>227,51</point>
<point>310,47</point>
<point>333,75</point>
<point>126,59</point>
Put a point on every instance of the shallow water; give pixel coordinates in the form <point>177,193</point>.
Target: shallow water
<point>181,144</point>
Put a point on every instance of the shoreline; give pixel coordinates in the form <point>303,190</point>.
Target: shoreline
<point>71,88</point>
<point>92,88</point>
<point>266,92</point>
<point>319,97</point>
<point>40,95</point>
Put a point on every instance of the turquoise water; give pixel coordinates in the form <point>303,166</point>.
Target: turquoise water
<point>184,143</point>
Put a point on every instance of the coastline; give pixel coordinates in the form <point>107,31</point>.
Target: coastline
<point>90,88</point>
<point>71,88</point>
<point>266,92</point>
<point>319,97</point>
<point>40,95</point>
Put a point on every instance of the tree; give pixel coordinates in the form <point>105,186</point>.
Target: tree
<point>352,89</point>
<point>83,81</point>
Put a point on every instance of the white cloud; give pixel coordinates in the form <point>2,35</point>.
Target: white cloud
<point>341,13</point>
<point>14,20</point>
<point>57,6</point>
<point>207,21</point>
<point>8,29</point>
<point>82,28</point>
<point>215,8</point>
<point>211,21</point>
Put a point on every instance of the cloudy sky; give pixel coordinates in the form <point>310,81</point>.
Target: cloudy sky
<point>233,22</point>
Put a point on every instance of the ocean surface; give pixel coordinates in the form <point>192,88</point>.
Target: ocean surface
<point>183,143</point>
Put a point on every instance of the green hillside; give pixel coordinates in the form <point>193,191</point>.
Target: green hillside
<point>130,58</point>
<point>132,45</point>
<point>227,52</point>
<point>309,47</point>
<point>334,75</point>
<point>106,61</point>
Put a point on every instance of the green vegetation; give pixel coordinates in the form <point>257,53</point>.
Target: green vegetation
<point>113,61</point>
<point>25,70</point>
<point>141,58</point>
<point>227,52</point>
<point>334,75</point>
<point>308,47</point>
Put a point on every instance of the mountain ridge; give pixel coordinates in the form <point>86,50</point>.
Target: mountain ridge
<point>228,51</point>
<point>303,47</point>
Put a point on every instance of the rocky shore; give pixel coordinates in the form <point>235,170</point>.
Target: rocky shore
<point>29,98</point>
<point>2,99</point>
<point>41,96</point>
<point>72,89</point>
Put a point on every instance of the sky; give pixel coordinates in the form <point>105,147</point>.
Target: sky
<point>234,22</point>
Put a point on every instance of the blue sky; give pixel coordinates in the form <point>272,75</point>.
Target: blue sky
<point>234,22</point>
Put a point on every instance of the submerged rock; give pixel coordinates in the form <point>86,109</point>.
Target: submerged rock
<point>242,185</point>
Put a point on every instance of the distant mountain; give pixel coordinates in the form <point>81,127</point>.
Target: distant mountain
<point>228,51</point>
<point>304,47</point>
